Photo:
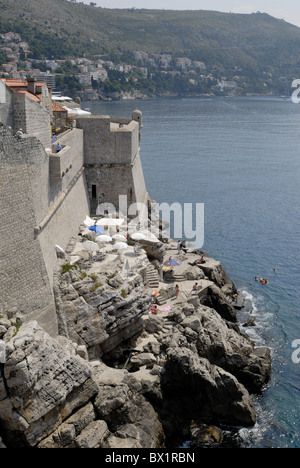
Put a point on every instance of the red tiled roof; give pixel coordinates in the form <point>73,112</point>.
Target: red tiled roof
<point>30,95</point>
<point>17,85</point>
<point>57,107</point>
<point>14,82</point>
<point>17,82</point>
<point>20,87</point>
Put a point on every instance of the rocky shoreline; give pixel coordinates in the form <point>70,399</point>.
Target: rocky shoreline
<point>120,376</point>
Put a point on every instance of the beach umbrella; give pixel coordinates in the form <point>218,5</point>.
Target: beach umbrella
<point>88,221</point>
<point>104,238</point>
<point>97,229</point>
<point>90,246</point>
<point>110,222</point>
<point>59,249</point>
<point>172,263</point>
<point>137,236</point>
<point>121,246</point>
<point>119,237</point>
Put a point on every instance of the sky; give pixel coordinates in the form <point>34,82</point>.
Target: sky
<point>289,10</point>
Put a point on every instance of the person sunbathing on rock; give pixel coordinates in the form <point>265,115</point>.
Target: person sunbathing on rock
<point>154,309</point>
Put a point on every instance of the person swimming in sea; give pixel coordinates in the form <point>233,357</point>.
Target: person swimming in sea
<point>263,281</point>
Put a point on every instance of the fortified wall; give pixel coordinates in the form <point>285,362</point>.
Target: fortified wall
<point>112,159</point>
<point>45,196</point>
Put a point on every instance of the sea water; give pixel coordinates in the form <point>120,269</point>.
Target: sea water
<point>240,157</point>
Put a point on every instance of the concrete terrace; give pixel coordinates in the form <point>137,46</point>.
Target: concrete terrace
<point>180,277</point>
<point>132,261</point>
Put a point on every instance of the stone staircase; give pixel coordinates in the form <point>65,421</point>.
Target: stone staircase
<point>176,278</point>
<point>161,298</point>
<point>152,277</point>
<point>179,277</point>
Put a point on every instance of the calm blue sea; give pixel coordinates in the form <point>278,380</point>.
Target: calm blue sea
<point>241,158</point>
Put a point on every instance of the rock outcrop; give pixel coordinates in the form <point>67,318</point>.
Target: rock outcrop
<point>119,376</point>
<point>42,384</point>
<point>52,398</point>
<point>101,311</point>
<point>205,391</point>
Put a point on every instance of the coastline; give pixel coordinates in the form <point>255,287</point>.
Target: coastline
<point>143,380</point>
<point>142,96</point>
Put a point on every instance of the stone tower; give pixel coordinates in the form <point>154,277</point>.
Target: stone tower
<point>112,159</point>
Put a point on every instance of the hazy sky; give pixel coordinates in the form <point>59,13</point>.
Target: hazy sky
<point>289,10</point>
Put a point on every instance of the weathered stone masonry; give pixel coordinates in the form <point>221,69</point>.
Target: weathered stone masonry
<point>35,216</point>
<point>112,159</point>
<point>24,286</point>
<point>44,197</point>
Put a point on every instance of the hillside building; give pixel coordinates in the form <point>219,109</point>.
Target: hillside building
<point>26,106</point>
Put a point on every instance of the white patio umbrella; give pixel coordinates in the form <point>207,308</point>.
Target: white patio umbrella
<point>91,247</point>
<point>110,222</point>
<point>104,238</point>
<point>137,236</point>
<point>119,237</point>
<point>121,246</point>
<point>88,221</point>
<point>59,250</point>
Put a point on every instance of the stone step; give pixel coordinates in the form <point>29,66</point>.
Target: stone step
<point>179,277</point>
<point>161,301</point>
<point>161,298</point>
<point>152,277</point>
<point>176,277</point>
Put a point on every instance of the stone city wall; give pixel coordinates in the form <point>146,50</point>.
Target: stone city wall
<point>31,226</point>
<point>65,165</point>
<point>44,198</point>
<point>105,141</point>
<point>24,287</point>
<point>32,118</point>
<point>62,221</point>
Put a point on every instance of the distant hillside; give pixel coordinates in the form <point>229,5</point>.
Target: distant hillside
<point>207,34</point>
<point>256,43</point>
